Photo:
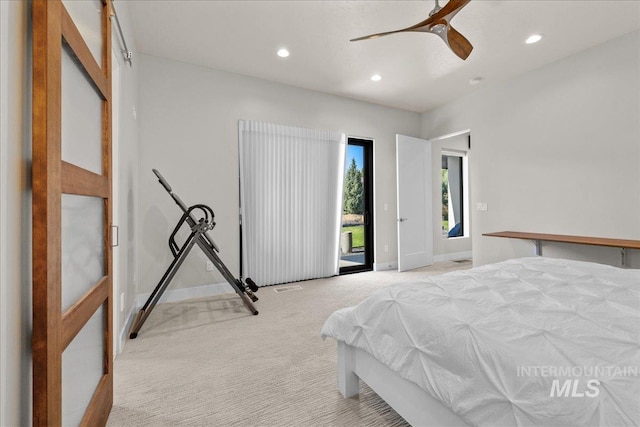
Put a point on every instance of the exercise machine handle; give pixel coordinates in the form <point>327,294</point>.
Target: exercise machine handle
<point>207,220</point>
<point>191,221</point>
<point>163,181</point>
<point>179,201</point>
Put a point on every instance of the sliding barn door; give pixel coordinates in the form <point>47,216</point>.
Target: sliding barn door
<point>72,300</point>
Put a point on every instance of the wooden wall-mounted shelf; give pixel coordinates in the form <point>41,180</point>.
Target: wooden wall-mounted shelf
<point>538,238</point>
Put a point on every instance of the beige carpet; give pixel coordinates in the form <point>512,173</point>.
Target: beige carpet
<point>208,362</point>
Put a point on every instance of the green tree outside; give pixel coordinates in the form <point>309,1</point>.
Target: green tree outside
<point>353,190</point>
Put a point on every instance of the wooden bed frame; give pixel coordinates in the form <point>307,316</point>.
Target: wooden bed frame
<point>415,405</point>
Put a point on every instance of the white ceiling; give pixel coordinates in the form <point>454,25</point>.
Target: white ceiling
<point>419,72</point>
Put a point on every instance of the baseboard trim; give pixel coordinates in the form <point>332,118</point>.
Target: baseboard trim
<point>454,256</point>
<point>122,338</point>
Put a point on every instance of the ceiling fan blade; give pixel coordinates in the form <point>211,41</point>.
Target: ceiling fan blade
<point>447,12</point>
<point>458,43</point>
<point>375,36</point>
<point>438,24</point>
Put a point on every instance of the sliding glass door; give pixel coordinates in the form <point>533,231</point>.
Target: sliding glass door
<point>356,238</point>
<point>289,181</point>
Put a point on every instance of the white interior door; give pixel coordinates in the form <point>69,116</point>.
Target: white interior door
<point>415,234</point>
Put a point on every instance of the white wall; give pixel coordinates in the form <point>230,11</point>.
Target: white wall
<point>15,214</point>
<point>15,204</point>
<point>188,130</point>
<point>556,150</point>
<point>128,174</point>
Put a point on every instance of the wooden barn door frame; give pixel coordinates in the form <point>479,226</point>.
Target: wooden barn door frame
<point>53,329</point>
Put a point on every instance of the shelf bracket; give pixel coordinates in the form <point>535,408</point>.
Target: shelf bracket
<point>538,244</point>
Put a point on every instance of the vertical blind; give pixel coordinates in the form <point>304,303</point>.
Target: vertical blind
<point>290,200</point>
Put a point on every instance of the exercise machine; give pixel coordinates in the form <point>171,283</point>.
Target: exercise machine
<point>200,220</point>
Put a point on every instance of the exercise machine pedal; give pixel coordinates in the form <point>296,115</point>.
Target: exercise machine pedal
<point>251,284</point>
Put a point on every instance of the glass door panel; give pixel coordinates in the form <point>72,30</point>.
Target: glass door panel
<point>356,238</point>
<point>82,368</point>
<point>87,15</point>
<point>82,246</point>
<point>81,139</point>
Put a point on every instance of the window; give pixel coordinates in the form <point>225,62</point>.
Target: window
<point>453,194</point>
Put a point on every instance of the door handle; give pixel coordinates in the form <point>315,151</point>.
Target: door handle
<point>402,219</point>
<point>115,236</point>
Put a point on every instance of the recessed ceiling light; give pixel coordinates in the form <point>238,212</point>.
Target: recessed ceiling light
<point>475,80</point>
<point>533,38</point>
<point>283,53</point>
<point>376,77</point>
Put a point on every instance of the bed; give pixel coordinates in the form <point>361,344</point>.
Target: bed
<point>530,341</point>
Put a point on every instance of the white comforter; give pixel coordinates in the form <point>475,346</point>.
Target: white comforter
<point>500,344</point>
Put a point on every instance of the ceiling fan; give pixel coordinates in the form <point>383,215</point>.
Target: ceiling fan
<point>438,23</point>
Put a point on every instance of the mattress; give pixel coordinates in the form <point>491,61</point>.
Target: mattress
<point>531,341</point>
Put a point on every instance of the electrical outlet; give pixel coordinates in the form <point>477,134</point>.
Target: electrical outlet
<point>481,206</point>
<point>209,266</point>
<point>121,302</point>
<point>386,248</point>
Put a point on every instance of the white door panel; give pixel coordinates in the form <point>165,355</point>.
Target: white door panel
<point>415,237</point>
